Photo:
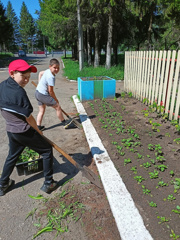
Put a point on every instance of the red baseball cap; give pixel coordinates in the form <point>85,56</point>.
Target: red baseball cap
<point>21,65</point>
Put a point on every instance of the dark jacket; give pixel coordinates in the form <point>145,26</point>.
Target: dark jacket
<point>14,98</point>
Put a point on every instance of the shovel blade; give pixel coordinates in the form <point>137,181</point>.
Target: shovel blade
<point>76,123</point>
<point>91,176</point>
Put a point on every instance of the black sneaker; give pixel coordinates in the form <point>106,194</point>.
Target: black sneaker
<point>47,188</point>
<point>41,128</point>
<point>65,122</point>
<point>3,189</point>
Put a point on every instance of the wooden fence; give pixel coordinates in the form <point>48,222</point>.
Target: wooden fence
<point>153,77</point>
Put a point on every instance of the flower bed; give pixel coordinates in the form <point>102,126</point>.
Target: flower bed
<point>144,147</point>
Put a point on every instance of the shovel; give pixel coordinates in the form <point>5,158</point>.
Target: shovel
<point>91,176</point>
<point>75,122</point>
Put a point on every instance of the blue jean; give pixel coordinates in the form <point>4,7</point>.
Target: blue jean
<point>33,140</point>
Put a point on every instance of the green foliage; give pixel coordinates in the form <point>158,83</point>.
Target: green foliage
<point>11,15</point>
<point>6,28</point>
<point>152,204</point>
<point>26,26</point>
<point>176,184</point>
<point>28,155</point>
<point>71,70</point>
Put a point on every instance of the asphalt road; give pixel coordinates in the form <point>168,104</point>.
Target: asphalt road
<point>16,204</point>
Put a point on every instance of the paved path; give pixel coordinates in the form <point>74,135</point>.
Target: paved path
<point>16,204</point>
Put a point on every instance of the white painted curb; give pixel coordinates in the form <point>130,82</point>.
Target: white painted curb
<point>128,219</point>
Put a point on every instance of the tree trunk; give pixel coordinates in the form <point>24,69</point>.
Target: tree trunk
<point>109,41</point>
<point>150,25</point>
<point>96,50</point>
<point>80,37</point>
<point>89,50</point>
<point>115,53</point>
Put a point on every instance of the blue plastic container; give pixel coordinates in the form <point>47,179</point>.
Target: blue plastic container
<point>90,88</point>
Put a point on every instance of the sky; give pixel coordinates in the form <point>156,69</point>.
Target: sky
<point>32,6</point>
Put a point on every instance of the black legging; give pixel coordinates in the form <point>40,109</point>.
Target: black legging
<point>33,140</point>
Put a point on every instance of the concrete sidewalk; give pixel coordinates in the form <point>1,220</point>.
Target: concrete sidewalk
<point>16,204</point>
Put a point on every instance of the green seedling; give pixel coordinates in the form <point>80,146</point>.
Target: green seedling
<point>154,174</point>
<point>28,155</point>
<point>151,147</point>
<point>139,179</point>
<point>161,167</point>
<point>177,140</point>
<point>174,122</point>
<point>177,210</point>
<point>176,184</point>
<point>126,161</point>
<point>154,127</point>
<point>158,149</point>
<point>134,169</point>
<point>119,148</point>
<point>139,156</point>
<point>162,184</point>
<point>160,159</point>
<point>136,136</point>
<point>122,153</point>
<point>173,235</point>
<point>137,144</point>
<point>145,190</point>
<point>147,165</point>
<point>170,198</point>
<point>152,161</point>
<point>131,131</point>
<point>152,204</point>
<point>123,94</point>
<point>162,219</point>
<point>130,94</point>
<point>114,143</point>
<point>171,173</point>
<point>145,112</point>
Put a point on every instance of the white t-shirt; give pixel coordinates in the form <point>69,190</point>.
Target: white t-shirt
<point>47,79</point>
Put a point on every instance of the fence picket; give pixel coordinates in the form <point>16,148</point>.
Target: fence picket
<point>175,86</point>
<point>157,96</point>
<point>150,75</point>
<point>154,77</point>
<point>169,85</point>
<point>160,101</point>
<point>166,77</point>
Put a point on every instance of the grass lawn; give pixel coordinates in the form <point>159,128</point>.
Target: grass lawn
<point>71,69</point>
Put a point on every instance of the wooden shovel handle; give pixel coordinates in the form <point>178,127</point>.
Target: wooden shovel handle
<point>63,153</point>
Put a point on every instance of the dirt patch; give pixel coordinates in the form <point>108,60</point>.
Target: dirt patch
<point>79,211</point>
<point>143,149</point>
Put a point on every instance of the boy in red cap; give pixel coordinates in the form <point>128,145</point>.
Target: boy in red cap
<point>21,126</point>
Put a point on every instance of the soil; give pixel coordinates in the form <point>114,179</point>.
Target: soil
<point>89,218</point>
<point>125,126</point>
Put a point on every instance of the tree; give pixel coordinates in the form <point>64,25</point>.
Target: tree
<point>171,24</point>
<point>80,37</point>
<point>57,21</point>
<point>6,29</point>
<point>11,15</point>
<point>27,27</point>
